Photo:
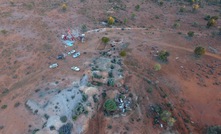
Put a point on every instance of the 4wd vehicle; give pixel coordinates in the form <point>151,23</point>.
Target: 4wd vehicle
<point>53,65</point>
<point>60,57</point>
<point>75,68</point>
<point>76,55</point>
<point>71,52</point>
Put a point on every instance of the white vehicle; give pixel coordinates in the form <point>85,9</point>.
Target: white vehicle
<point>75,68</point>
<point>53,65</point>
<point>71,52</point>
<point>76,55</point>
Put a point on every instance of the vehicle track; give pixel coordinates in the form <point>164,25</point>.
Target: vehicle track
<point>161,43</point>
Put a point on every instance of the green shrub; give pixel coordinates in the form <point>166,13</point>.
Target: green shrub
<point>171,121</point>
<point>64,7</point>
<point>63,119</point>
<point>105,40</point>
<point>79,109</point>
<point>123,53</point>
<point>110,105</point>
<point>133,15</point>
<point>207,17</point>
<point>95,99</point>
<point>112,66</point>
<point>149,90</point>
<point>125,20</point>
<point>157,67</point>
<point>110,74</point>
<point>110,20</point>
<point>84,28</point>
<point>190,33</point>
<point>4,31</point>
<point>95,75</point>
<point>182,9</point>
<point>74,118</point>
<point>109,127</point>
<point>35,131</point>
<point>17,104</point>
<point>199,51</point>
<point>214,130</point>
<point>163,55</point>
<point>165,115</point>
<point>212,21</point>
<point>12,2</point>
<point>86,112</point>
<point>4,106</point>
<point>104,94</point>
<point>137,7</point>
<point>84,97</point>
<point>46,116</point>
<point>195,24</point>
<point>110,82</point>
<point>161,3</point>
<point>176,25</point>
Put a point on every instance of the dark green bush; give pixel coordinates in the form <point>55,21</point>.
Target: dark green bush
<point>63,119</point>
<point>110,74</point>
<point>4,106</point>
<point>123,53</point>
<point>84,97</point>
<point>163,55</point>
<point>190,33</point>
<point>110,105</point>
<point>199,51</point>
<point>104,95</point>
<point>74,118</point>
<point>214,130</point>
<point>105,40</point>
<point>110,82</point>
<point>95,75</point>
<point>137,7</point>
<point>95,99</point>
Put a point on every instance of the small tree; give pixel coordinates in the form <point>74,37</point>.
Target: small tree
<point>163,55</point>
<point>133,16</point>
<point>157,67</point>
<point>212,21</point>
<point>161,3</point>
<point>166,117</point>
<point>195,7</point>
<point>190,33</point>
<point>110,82</point>
<point>171,121</point>
<point>64,7</point>
<point>123,53</point>
<point>63,119</point>
<point>105,40</point>
<point>83,28</point>
<point>125,20</point>
<point>137,7</point>
<point>110,105</point>
<point>110,20</point>
<point>182,9</point>
<point>12,2</point>
<point>176,25</point>
<point>213,130</point>
<point>199,51</point>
